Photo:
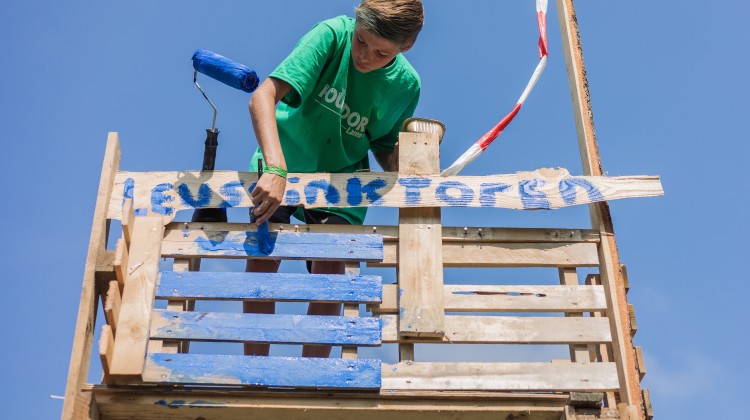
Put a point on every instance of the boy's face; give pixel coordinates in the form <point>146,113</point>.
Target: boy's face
<point>371,52</point>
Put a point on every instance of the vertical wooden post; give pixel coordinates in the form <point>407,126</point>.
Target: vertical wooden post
<point>578,352</point>
<point>350,309</point>
<point>609,260</point>
<point>132,336</point>
<point>420,255</point>
<point>78,404</point>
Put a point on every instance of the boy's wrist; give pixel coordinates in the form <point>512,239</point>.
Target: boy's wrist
<point>276,170</point>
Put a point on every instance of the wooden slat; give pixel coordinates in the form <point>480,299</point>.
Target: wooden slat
<point>138,297</point>
<point>297,372</point>
<point>112,304</point>
<point>648,408</point>
<point>640,362</point>
<point>288,287</point>
<point>265,328</point>
<point>631,319</point>
<point>569,277</point>
<point>509,330</point>
<point>600,352</point>
<point>558,377</point>
<point>166,193</point>
<point>106,345</point>
<point>352,309</point>
<point>127,221</point>
<point>77,405</point>
<point>420,256</point>
<point>121,262</point>
<point>482,298</point>
<point>477,234</point>
<point>286,245</point>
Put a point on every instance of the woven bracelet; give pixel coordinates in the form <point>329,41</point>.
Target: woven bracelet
<point>276,171</point>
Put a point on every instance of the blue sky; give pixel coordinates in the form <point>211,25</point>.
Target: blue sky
<point>669,91</point>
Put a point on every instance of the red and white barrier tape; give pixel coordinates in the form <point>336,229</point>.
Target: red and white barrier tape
<point>477,148</point>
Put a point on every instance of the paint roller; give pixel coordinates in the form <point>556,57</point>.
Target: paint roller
<point>232,74</point>
<point>240,77</point>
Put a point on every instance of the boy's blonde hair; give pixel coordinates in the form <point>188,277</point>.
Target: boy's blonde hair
<point>398,21</point>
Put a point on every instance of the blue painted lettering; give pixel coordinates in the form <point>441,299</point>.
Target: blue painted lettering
<point>331,193</point>
<point>204,195</point>
<point>355,190</point>
<point>413,185</point>
<point>530,197</point>
<point>487,192</point>
<point>568,190</point>
<point>158,199</point>
<point>466,194</point>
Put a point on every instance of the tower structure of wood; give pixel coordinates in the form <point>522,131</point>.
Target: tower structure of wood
<point>152,314</point>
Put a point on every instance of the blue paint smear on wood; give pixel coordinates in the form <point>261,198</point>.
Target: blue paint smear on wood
<point>324,246</point>
<point>266,328</point>
<point>295,372</point>
<point>175,404</point>
<point>289,287</point>
<point>265,243</point>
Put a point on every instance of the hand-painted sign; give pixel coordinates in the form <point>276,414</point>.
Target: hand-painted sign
<point>165,193</point>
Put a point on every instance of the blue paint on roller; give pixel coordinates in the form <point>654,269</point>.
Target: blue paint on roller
<point>225,70</point>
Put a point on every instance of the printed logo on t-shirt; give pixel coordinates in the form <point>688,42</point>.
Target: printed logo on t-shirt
<point>354,123</point>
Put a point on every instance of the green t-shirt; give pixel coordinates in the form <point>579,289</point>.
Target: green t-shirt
<point>334,113</point>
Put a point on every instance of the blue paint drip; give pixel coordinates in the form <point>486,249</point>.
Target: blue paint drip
<point>207,244</point>
<point>158,199</point>
<point>231,191</point>
<point>466,193</point>
<point>530,197</point>
<point>265,244</point>
<point>355,190</point>
<point>204,195</point>
<point>487,192</point>
<point>413,185</point>
<point>331,193</point>
<point>568,190</point>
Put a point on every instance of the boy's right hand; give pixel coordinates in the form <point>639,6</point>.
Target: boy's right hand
<point>267,196</point>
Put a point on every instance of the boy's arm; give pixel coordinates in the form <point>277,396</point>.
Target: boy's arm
<point>269,191</point>
<point>388,160</point>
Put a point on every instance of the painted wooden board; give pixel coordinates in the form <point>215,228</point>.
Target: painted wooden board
<point>269,286</point>
<point>560,377</point>
<point>265,328</point>
<point>509,330</point>
<point>295,372</point>
<point>286,245</point>
<point>484,298</point>
<point>165,193</point>
<point>460,234</point>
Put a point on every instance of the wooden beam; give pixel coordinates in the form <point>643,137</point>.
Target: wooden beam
<point>623,353</point>
<point>578,352</point>
<point>166,193</point>
<point>483,298</point>
<point>420,257</point>
<point>648,408</point>
<point>352,309</point>
<point>508,330</point>
<point>77,405</point>
<point>557,377</point>
<point>112,305</point>
<point>106,345</point>
<point>127,220</point>
<point>640,362</point>
<point>121,262</point>
<point>631,319</point>
<point>138,298</point>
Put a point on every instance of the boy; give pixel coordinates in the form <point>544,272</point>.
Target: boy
<point>345,89</point>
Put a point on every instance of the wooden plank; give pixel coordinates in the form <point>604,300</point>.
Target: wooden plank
<point>352,309</point>
<point>286,245</point>
<point>623,353</point>
<point>648,408</point>
<point>483,298</point>
<point>420,256</point>
<point>77,405</point>
<point>624,276</point>
<point>456,255</point>
<point>640,362</point>
<point>106,345</point>
<point>297,372</point>
<point>600,352</point>
<point>631,319</point>
<point>265,328</point>
<point>509,330</point>
<point>287,287</point>
<point>166,193</point>
<point>138,297</point>
<point>390,233</point>
<point>279,404</point>
<point>569,277</point>
<point>557,377</point>
<point>112,305</point>
<point>121,262</point>
<point>127,220</point>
